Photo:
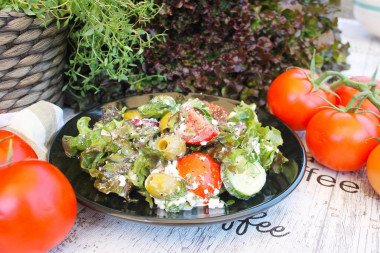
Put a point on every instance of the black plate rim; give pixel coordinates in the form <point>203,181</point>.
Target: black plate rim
<point>189,222</point>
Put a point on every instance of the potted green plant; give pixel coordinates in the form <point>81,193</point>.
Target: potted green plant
<point>105,40</point>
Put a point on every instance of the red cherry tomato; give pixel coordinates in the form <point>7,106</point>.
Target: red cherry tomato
<point>38,207</point>
<point>373,169</point>
<point>201,171</point>
<point>198,128</point>
<point>342,141</point>
<point>290,98</point>
<point>218,113</point>
<point>345,93</point>
<point>20,149</point>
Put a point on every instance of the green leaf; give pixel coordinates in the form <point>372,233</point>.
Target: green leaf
<point>373,78</point>
<point>230,202</point>
<point>89,32</point>
<point>82,125</point>
<point>157,107</point>
<point>28,12</point>
<point>66,22</point>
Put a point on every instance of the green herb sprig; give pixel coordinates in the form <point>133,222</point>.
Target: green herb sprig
<point>45,10</point>
<point>106,39</point>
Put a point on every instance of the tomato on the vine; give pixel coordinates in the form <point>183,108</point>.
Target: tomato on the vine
<point>38,206</point>
<point>197,128</point>
<point>373,169</point>
<point>20,150</point>
<point>346,93</point>
<point>201,171</point>
<point>341,140</point>
<point>291,99</point>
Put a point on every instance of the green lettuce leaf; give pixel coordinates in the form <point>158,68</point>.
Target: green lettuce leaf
<point>157,107</point>
<point>247,133</point>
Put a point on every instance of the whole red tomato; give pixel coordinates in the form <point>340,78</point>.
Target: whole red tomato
<point>20,149</point>
<point>373,169</point>
<point>345,93</point>
<point>290,98</point>
<point>38,207</point>
<point>340,140</point>
<point>201,171</point>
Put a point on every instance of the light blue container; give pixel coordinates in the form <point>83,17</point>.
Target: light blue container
<point>367,12</point>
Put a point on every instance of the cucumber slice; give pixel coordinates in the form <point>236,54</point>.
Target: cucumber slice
<point>245,181</point>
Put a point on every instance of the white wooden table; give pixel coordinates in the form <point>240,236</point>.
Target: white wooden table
<point>328,212</point>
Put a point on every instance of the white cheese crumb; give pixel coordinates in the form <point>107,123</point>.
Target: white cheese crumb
<point>105,133</point>
<point>134,177</point>
<point>203,143</point>
<point>256,147</point>
<point>215,203</point>
<point>182,127</point>
<point>193,186</point>
<point>122,181</point>
<point>171,168</point>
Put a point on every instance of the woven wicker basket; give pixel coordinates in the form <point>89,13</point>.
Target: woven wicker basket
<point>32,58</point>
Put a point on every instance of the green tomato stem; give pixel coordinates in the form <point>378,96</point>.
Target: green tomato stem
<point>327,75</point>
<point>367,90</point>
<point>371,94</point>
<point>356,97</point>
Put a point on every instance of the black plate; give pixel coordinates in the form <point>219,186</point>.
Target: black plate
<point>277,187</point>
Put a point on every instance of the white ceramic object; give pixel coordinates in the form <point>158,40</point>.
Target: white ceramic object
<point>367,12</point>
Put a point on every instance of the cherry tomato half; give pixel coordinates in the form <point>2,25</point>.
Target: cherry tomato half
<point>373,169</point>
<point>201,171</point>
<point>345,93</point>
<point>290,98</point>
<point>198,128</point>
<point>340,140</point>
<point>38,207</point>
<point>218,113</point>
<point>20,149</point>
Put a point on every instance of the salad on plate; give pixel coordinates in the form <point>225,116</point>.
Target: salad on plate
<point>178,153</point>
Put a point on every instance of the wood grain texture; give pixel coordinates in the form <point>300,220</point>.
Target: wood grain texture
<point>319,216</point>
